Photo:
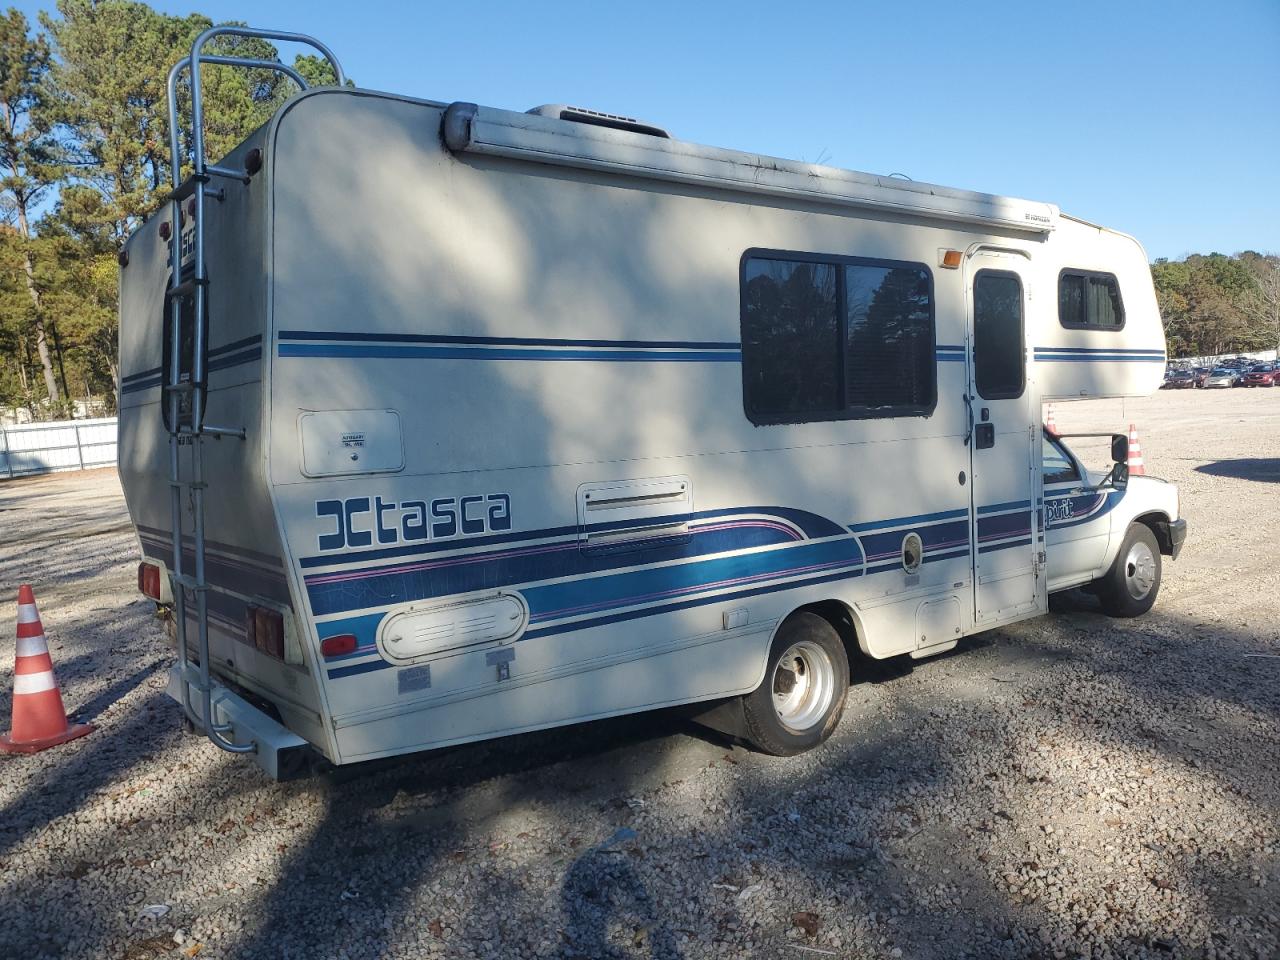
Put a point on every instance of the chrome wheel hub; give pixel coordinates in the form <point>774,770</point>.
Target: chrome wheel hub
<point>804,682</point>
<point>1139,571</point>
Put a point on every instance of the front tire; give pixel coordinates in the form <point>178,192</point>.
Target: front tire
<point>801,699</point>
<point>1130,587</point>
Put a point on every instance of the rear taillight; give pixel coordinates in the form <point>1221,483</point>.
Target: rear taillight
<point>149,580</point>
<point>337,646</point>
<point>266,630</point>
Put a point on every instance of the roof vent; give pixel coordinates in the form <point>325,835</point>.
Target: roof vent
<point>562,111</point>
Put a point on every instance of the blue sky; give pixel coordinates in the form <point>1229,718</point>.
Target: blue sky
<point>1159,119</point>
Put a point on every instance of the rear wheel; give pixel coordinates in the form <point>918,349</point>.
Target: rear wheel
<point>801,699</point>
<point>1130,587</point>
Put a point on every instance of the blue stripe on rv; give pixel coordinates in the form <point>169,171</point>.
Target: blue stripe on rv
<point>935,537</point>
<point>596,601</point>
<point>442,352</point>
<point>357,337</point>
<point>1098,354</point>
<point>991,547</point>
<point>578,597</point>
<point>1004,525</point>
<point>335,593</point>
<point>365,627</point>
<point>1129,351</point>
<point>219,358</point>
<point>319,343</point>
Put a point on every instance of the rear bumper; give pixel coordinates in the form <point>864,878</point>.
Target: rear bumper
<point>1177,537</point>
<point>281,754</point>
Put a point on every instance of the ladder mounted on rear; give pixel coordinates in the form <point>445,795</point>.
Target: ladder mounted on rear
<point>185,420</point>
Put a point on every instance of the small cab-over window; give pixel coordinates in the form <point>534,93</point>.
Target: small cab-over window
<point>836,338</point>
<point>1088,300</point>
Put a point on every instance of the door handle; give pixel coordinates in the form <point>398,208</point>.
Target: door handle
<point>985,436</point>
<point>968,406</point>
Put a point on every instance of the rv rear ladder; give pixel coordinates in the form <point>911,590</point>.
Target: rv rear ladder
<point>192,431</point>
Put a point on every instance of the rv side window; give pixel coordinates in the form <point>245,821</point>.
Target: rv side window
<point>888,361</point>
<point>790,340</point>
<point>1089,301</point>
<point>833,338</point>
<point>999,353</point>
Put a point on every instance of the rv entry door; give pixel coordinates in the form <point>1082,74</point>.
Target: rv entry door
<point>1008,579</point>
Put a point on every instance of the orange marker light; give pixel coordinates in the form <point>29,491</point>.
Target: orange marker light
<point>950,259</point>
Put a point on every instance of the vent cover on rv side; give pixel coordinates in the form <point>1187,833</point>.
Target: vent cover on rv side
<point>562,111</point>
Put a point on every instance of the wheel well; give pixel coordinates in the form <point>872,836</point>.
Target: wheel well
<point>1158,524</point>
<point>841,619</point>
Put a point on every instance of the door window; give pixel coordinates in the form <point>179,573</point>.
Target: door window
<point>1058,467</point>
<point>999,352</point>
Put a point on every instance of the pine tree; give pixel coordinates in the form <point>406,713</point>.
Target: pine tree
<point>28,162</point>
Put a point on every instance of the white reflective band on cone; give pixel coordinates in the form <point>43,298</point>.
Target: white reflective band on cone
<point>33,683</point>
<point>32,646</point>
<point>27,613</point>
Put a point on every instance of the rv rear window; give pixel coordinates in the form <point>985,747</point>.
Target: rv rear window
<point>1089,301</point>
<point>834,338</point>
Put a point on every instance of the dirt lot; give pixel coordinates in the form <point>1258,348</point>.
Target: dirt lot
<point>1070,787</point>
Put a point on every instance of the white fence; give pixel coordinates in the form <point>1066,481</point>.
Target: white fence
<point>63,445</point>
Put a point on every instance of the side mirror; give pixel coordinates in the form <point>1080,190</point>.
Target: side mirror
<point>1119,448</point>
<point>1120,476</point>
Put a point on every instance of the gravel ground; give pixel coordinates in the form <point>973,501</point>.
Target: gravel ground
<point>1070,787</point>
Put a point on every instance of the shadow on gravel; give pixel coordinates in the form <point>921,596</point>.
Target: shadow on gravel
<point>92,764</point>
<point>603,889</point>
<point>883,832</point>
<point>88,712</point>
<point>1262,469</point>
<point>388,863</point>
<point>853,833</point>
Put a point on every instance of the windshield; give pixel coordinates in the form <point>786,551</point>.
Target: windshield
<point>1223,373</point>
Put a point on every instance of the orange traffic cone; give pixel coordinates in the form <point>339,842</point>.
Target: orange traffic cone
<point>39,719</point>
<point>1049,423</point>
<point>1136,468</point>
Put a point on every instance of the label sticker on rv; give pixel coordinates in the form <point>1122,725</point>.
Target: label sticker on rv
<point>353,439</point>
<point>363,521</point>
<point>413,678</point>
<point>1057,510</point>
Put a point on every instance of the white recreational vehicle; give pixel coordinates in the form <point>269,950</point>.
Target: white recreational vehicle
<point>472,422</point>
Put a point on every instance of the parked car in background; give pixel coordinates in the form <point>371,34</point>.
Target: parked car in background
<point>1262,375</point>
<point>1201,374</point>
<point>1178,380</point>
<point>1222,377</point>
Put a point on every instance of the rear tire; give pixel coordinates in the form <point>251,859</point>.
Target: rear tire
<point>1130,587</point>
<point>801,699</point>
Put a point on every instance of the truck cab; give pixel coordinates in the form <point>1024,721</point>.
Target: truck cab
<point>1106,530</point>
